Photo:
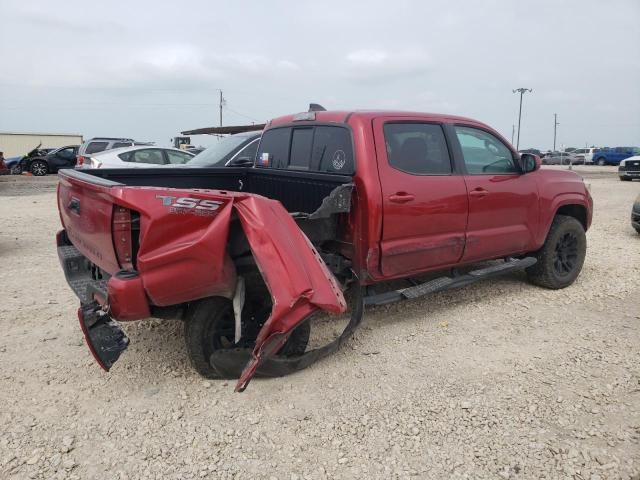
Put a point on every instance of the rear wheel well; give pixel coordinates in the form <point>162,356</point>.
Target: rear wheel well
<point>578,212</point>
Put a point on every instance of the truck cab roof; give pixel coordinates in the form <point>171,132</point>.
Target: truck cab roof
<point>344,116</point>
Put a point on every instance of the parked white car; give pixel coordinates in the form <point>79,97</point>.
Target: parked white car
<point>136,157</point>
<point>585,154</point>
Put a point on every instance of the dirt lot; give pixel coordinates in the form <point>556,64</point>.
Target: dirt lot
<point>498,380</point>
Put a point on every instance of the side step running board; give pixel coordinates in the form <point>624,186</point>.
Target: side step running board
<point>446,283</point>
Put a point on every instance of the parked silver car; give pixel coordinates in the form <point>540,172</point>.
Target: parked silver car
<point>559,158</point>
<point>100,144</point>
<point>136,157</point>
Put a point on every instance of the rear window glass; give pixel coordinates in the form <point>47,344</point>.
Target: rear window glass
<point>121,144</point>
<point>301,143</point>
<point>94,147</point>
<point>318,148</point>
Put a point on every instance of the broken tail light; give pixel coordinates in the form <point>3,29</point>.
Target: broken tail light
<point>79,160</point>
<point>125,230</point>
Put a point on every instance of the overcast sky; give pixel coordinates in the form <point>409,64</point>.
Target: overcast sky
<point>149,70</point>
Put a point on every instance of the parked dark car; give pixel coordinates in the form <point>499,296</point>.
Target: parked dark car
<point>635,214</point>
<point>63,157</point>
<point>15,163</point>
<point>234,150</point>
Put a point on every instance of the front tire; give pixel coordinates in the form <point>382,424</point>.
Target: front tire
<point>625,179</point>
<point>39,168</point>
<point>561,257</point>
<point>601,162</point>
<point>209,327</point>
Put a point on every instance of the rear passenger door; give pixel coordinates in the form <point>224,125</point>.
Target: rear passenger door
<point>503,202</point>
<point>424,198</point>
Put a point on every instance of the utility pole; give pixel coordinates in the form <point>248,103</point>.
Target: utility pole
<point>522,91</point>
<point>513,132</point>
<point>555,128</point>
<point>221,105</point>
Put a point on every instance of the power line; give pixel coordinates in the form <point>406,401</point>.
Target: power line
<point>242,114</point>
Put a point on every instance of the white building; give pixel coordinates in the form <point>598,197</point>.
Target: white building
<point>14,144</point>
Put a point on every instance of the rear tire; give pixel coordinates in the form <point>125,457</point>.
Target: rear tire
<point>209,327</point>
<point>39,168</point>
<point>561,257</point>
<point>601,162</point>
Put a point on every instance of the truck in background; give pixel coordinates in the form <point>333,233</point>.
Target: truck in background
<point>614,155</point>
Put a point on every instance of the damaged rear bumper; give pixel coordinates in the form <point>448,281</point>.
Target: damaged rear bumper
<point>122,294</point>
<point>104,337</point>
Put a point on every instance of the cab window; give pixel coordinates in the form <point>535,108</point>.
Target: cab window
<point>318,148</point>
<point>483,153</point>
<point>417,148</point>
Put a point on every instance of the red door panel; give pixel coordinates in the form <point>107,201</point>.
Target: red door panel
<point>503,203</point>
<point>424,216</point>
<point>503,211</point>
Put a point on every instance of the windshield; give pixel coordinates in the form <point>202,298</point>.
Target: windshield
<point>219,152</point>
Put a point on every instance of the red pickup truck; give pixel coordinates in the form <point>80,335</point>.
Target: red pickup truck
<point>336,205</point>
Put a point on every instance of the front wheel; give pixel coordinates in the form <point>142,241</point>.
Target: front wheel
<point>561,257</point>
<point>210,326</point>
<point>601,162</point>
<point>39,168</point>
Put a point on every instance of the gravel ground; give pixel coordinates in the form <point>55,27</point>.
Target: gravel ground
<point>498,380</point>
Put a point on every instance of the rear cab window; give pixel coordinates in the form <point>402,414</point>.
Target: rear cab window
<point>317,148</point>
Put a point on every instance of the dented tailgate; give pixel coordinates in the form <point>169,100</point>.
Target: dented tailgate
<point>86,211</point>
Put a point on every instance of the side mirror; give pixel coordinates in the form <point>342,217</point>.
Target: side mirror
<point>529,162</point>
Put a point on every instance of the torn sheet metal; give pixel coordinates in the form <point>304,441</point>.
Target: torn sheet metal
<point>296,276</point>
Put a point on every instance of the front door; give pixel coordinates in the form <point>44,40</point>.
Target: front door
<point>65,158</point>
<point>424,199</point>
<point>503,202</point>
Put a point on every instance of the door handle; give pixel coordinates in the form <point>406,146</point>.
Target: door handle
<point>478,192</point>
<point>401,197</point>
